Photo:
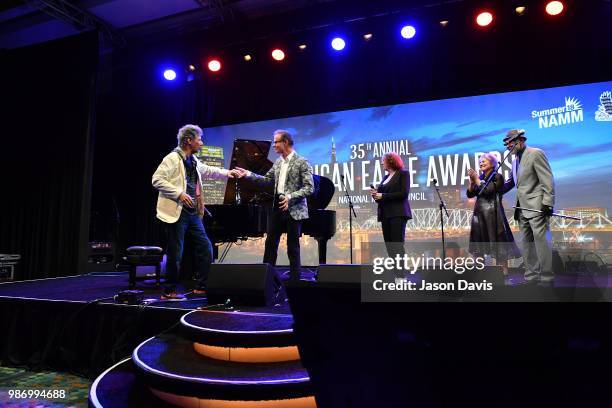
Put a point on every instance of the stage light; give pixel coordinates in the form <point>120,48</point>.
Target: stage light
<point>191,68</point>
<point>367,36</point>
<point>338,44</point>
<point>520,10</point>
<point>444,23</point>
<point>302,47</point>
<point>170,75</point>
<point>484,19</point>
<point>214,65</point>
<point>248,57</point>
<point>278,54</point>
<point>408,32</point>
<point>554,8</point>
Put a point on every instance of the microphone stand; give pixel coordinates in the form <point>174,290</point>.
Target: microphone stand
<point>567,217</point>
<point>351,215</point>
<point>116,252</point>
<point>442,206</point>
<point>237,197</point>
<point>495,170</point>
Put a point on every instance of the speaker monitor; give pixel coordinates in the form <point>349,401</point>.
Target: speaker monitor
<point>347,273</point>
<point>100,256</point>
<point>244,284</point>
<point>578,261</point>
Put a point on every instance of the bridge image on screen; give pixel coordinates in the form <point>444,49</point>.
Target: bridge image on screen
<point>442,139</point>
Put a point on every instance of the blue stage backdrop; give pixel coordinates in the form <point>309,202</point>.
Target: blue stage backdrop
<point>442,139</point>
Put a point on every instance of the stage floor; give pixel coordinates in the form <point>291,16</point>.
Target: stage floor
<point>90,287</point>
<point>102,287</point>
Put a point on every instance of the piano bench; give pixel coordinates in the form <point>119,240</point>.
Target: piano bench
<point>144,255</point>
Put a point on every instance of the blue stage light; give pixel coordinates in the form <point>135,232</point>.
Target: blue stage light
<point>338,44</point>
<point>170,75</point>
<point>408,32</point>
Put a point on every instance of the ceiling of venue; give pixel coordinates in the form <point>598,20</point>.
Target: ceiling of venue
<point>123,22</point>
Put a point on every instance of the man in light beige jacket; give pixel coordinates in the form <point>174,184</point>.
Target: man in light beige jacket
<point>180,205</point>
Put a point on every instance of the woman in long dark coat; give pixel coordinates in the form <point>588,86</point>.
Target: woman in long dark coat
<point>490,232</point>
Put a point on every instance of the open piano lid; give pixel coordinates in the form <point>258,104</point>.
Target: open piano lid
<point>253,155</point>
<point>250,155</point>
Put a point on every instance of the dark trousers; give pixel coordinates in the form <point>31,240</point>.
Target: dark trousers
<point>279,222</point>
<point>394,232</point>
<point>189,225</point>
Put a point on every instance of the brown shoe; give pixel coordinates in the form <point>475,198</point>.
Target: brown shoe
<point>172,295</point>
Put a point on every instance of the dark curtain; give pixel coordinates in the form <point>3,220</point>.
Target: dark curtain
<point>48,94</point>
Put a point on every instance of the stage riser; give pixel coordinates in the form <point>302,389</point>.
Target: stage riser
<point>193,402</point>
<point>246,330</point>
<point>249,355</point>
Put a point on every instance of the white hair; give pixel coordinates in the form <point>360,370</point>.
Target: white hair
<point>491,157</point>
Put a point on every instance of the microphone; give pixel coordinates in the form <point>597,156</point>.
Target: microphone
<point>372,187</point>
<point>434,181</point>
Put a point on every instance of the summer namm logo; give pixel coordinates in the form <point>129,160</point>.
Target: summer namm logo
<point>604,111</point>
<point>572,112</point>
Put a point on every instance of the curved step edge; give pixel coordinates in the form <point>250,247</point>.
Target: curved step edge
<point>213,388</point>
<point>93,390</point>
<point>236,338</point>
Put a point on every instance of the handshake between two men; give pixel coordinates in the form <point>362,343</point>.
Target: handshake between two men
<point>283,201</point>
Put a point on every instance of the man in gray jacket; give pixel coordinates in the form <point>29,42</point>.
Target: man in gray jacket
<point>532,176</point>
<point>291,176</point>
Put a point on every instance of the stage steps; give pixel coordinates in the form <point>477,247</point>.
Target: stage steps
<point>215,359</point>
<point>119,386</point>
<point>238,329</point>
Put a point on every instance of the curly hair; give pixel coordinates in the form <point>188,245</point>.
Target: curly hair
<point>188,132</point>
<point>394,160</point>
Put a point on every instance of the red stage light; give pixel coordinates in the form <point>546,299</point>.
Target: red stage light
<point>554,8</point>
<point>484,18</point>
<point>214,65</point>
<point>278,54</point>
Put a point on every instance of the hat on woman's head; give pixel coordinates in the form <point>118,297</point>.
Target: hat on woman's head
<point>514,134</point>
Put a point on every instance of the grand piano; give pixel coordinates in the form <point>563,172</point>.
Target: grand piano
<point>244,212</point>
